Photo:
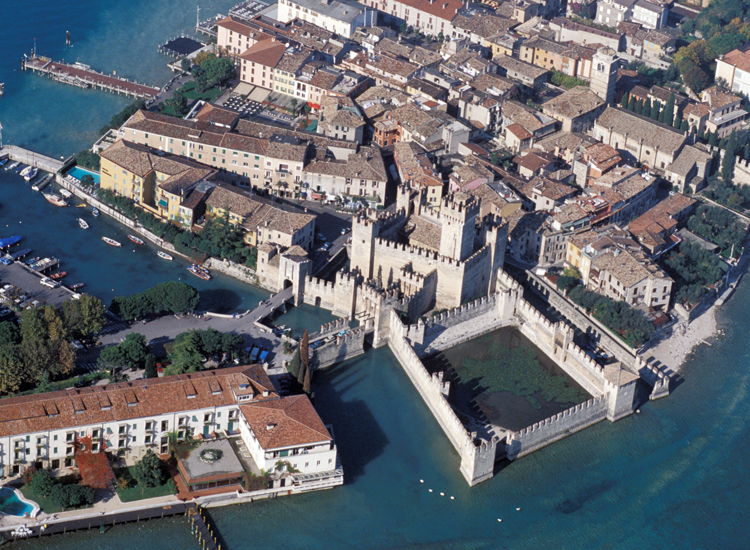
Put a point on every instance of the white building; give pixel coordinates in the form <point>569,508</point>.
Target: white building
<point>643,12</point>
<point>433,17</point>
<point>734,68</point>
<point>130,418</point>
<point>339,16</point>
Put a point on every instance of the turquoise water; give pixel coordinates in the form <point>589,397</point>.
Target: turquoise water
<point>673,477</point>
<point>78,172</point>
<point>10,503</point>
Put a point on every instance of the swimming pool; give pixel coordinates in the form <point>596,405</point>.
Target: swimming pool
<point>13,503</point>
<point>78,172</point>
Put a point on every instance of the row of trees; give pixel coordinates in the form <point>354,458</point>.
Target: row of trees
<point>629,323</point>
<point>132,352</point>
<point>299,367</point>
<point>40,350</point>
<point>561,79</point>
<point>654,110</point>
<point>87,159</point>
<point>192,347</point>
<point>219,238</point>
<point>120,118</point>
<point>169,297</point>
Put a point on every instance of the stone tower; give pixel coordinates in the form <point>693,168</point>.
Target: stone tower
<point>604,73</point>
<point>458,216</point>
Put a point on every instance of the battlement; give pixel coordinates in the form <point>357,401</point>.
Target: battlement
<point>529,313</point>
<point>460,206</point>
<point>315,282</point>
<point>408,251</point>
<point>507,281</point>
<point>335,325</point>
<point>594,402</point>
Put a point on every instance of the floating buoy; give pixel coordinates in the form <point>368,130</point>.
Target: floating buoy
<point>453,498</point>
<point>498,519</point>
<point>430,490</point>
<point>518,509</point>
<point>442,494</point>
<point>421,480</point>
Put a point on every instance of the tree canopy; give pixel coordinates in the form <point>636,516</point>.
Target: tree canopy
<point>150,471</point>
<point>630,324</point>
<point>169,297</point>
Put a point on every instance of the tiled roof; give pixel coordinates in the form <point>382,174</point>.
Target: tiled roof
<point>519,131</point>
<point>718,98</point>
<point>739,58</point>
<point>663,213</point>
<point>125,401</point>
<point>652,134</point>
<point>265,52</point>
<point>423,232</point>
<point>235,26</point>
<point>287,422</point>
<point>367,164</point>
<point>529,118</point>
<point>443,9</point>
<point>573,103</point>
<point>485,25</point>
<point>628,268</point>
<point>214,114</point>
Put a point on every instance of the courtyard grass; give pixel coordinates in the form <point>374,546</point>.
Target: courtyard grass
<point>132,492</point>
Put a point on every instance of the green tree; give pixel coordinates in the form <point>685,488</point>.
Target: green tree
<point>72,495</point>
<point>231,342</point>
<point>87,180</point>
<point>150,471</point>
<point>134,349</point>
<point>669,110</point>
<point>295,365</point>
<point>185,65</point>
<point>10,334</point>
<point>112,357</point>
<point>631,103</point>
<point>42,483</point>
<point>120,118</point>
<point>87,159</point>
<point>712,139</point>
<point>404,27</point>
<point>684,126</point>
<point>218,70</point>
<point>178,102</point>
<point>210,341</point>
<point>84,317</point>
<point>150,367</point>
<point>12,371</point>
<point>565,283</point>
<point>624,101</point>
<point>727,163</point>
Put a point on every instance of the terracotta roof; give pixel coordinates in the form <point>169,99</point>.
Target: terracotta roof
<point>739,58</point>
<point>662,214</point>
<point>573,103</point>
<point>214,114</point>
<point>265,52</point>
<point>443,9</point>
<point>235,26</point>
<point>130,400</point>
<point>651,133</point>
<point>519,131</point>
<point>291,421</point>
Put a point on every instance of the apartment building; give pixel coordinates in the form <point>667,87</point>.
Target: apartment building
<point>433,17</point>
<point>129,418</point>
<point>342,17</point>
<point>258,62</point>
<point>418,172</point>
<point>734,69</point>
<point>361,175</point>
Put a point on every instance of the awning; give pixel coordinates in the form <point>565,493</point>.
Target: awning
<point>163,203</point>
<point>313,106</point>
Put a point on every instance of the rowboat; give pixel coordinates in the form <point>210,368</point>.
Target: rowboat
<point>83,223</point>
<point>111,241</point>
<point>95,212</point>
<point>76,286</point>
<point>164,256</point>
<point>135,239</point>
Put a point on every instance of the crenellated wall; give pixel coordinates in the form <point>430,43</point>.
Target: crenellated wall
<point>556,427</point>
<point>341,348</point>
<point>319,292</point>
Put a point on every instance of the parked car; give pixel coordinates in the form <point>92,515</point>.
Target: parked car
<point>6,261</point>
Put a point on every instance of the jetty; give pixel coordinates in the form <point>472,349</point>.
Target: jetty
<point>83,76</point>
<point>32,158</point>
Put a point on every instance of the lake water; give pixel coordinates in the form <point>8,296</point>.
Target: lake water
<point>675,476</point>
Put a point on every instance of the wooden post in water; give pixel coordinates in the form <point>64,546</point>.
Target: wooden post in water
<point>67,38</point>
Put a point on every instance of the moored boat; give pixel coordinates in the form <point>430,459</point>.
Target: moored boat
<point>164,256</point>
<point>25,171</point>
<point>95,212</point>
<point>38,186</point>
<point>65,193</point>
<point>198,273</point>
<point>82,223</point>
<point>4,161</point>
<point>21,167</point>
<point>31,174</point>
<point>10,241</point>
<point>135,239</point>
<point>57,200</point>
<point>12,166</point>
<point>32,260</point>
<point>76,286</point>
<point>111,241</point>
<point>58,275</point>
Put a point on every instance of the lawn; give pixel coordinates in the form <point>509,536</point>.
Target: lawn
<point>209,95</point>
<point>133,492</point>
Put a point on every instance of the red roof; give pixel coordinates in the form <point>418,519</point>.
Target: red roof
<point>265,52</point>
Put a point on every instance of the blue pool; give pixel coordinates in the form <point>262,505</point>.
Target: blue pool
<point>10,504</point>
<point>78,172</point>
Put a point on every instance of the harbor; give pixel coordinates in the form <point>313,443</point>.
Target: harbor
<point>83,76</point>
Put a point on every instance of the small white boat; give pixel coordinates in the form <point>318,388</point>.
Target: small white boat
<point>135,239</point>
<point>111,241</point>
<point>25,171</point>
<point>31,174</point>
<point>38,186</point>
<point>13,166</point>
<point>57,200</point>
<point>164,256</point>
<point>83,223</point>
<point>65,193</point>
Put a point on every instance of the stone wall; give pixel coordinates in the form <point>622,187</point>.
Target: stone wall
<point>320,293</point>
<point>477,457</point>
<point>340,349</point>
<point>238,271</point>
<point>556,427</point>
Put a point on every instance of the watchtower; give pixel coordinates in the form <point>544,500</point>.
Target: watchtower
<point>604,73</point>
<point>458,216</point>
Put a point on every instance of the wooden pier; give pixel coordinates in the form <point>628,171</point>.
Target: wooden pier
<point>207,535</point>
<point>83,76</point>
<point>99,522</point>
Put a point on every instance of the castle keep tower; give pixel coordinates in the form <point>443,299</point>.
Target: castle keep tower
<point>458,216</point>
<point>364,232</point>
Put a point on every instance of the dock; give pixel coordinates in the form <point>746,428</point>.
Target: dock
<point>72,525</point>
<point>83,76</point>
<point>32,158</point>
<point>199,526</point>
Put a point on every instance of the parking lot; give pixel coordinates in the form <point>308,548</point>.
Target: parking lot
<point>27,282</point>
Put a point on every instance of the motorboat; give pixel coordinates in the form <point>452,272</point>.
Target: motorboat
<point>164,256</point>
<point>4,161</point>
<point>58,275</point>
<point>41,184</point>
<point>12,166</point>
<point>65,193</point>
<point>76,286</point>
<point>82,223</point>
<point>198,273</point>
<point>135,239</point>
<point>57,200</point>
<point>31,174</point>
<point>21,168</point>
<point>111,241</point>
<point>25,171</point>
<point>95,212</point>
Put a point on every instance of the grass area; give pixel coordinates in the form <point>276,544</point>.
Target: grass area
<point>209,95</point>
<point>132,492</point>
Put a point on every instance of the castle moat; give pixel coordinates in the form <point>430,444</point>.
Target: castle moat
<point>503,379</point>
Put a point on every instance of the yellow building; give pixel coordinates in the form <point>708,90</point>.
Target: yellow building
<point>156,181</point>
